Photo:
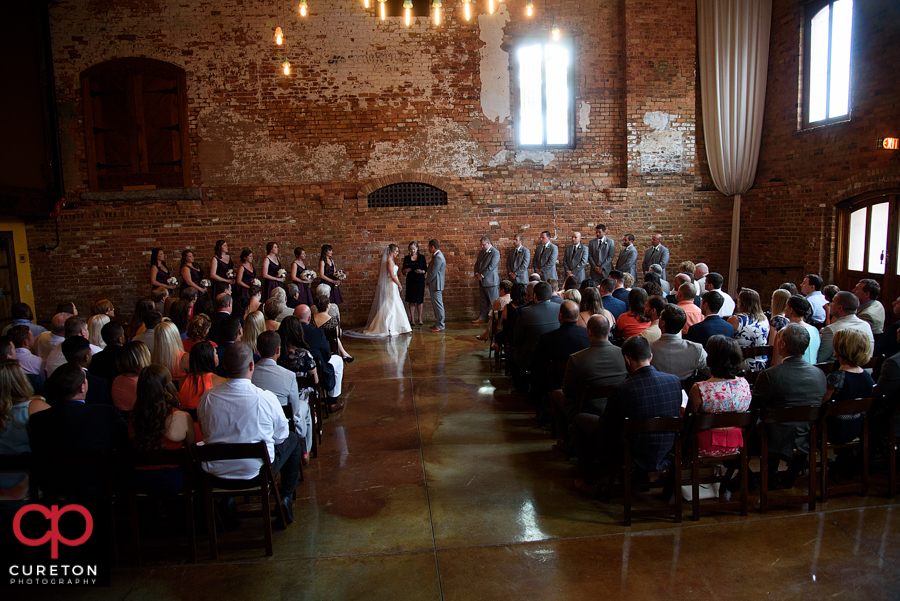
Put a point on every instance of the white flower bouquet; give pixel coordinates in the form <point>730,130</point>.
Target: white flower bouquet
<point>230,274</point>
<point>308,275</point>
<point>255,282</point>
<point>204,283</point>
<point>172,281</point>
<point>281,273</point>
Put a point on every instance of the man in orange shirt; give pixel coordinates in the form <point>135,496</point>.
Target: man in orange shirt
<point>685,298</point>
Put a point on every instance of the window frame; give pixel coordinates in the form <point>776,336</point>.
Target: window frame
<point>810,10</point>
<point>519,41</point>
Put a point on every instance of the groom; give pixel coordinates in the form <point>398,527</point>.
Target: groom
<point>434,278</point>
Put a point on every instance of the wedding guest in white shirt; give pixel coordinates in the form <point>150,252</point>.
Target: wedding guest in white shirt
<point>50,339</point>
<point>23,339</point>
<point>75,326</point>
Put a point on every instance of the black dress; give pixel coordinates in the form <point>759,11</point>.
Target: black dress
<point>415,282</point>
<point>222,270</point>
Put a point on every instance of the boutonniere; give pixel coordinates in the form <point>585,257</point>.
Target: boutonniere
<point>488,251</point>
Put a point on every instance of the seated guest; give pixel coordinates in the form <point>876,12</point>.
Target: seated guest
<point>17,404</point>
<point>50,339</point>
<point>255,296</point>
<point>843,311</point>
<point>701,270</point>
<point>627,281</point>
<point>202,363</point>
<point>724,392</point>
<point>168,349</point>
<point>240,307</point>
<point>619,291</point>
<point>180,314</point>
<point>660,278</point>
<point>510,313</point>
<point>281,296</point>
<point>653,289</point>
<point>293,296</point>
<point>798,311</point>
<point>141,310</point>
<point>103,306</point>
<point>280,378</point>
<point>681,278</point>
<point>533,322</point>
<point>714,283</point>
<point>67,307</point>
<point>570,283</point>
<point>497,306</point>
<point>652,310</point>
<point>529,291</point>
<point>77,350</point>
<point>644,393</point>
<point>131,360</point>
<point>157,424</point>
<point>751,328</point>
<point>610,302</point>
<point>272,312</point>
<point>672,354</point>
<point>887,345</point>
<point>204,305</point>
<point>601,364</point>
<point>870,308</point>
<point>693,314</point>
<point>556,296</point>
<point>103,364</point>
<point>712,323</point>
<point>326,319</point>
<point>148,336</point>
<point>592,304</point>
<point>239,412</point>
<point>811,288</point>
<point>573,295</point>
<point>829,291</point>
<point>23,316</point>
<point>70,427</point>
<point>223,310</point>
<point>633,322</point>
<point>793,383</point>
<point>331,367</point>
<point>95,326</point>
<point>198,330</point>
<point>230,331</point>
<point>23,339</point>
<point>254,325</point>
<point>75,326</point>
<point>191,295</point>
<point>779,319</point>
<point>558,345</point>
<point>585,284</point>
<point>790,287</point>
<point>158,296</point>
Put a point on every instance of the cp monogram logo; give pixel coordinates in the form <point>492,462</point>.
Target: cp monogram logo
<point>53,514</point>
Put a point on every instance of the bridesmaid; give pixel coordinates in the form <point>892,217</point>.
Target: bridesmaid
<point>297,267</point>
<point>245,273</point>
<point>159,271</point>
<point>270,267</point>
<point>191,274</point>
<point>219,267</point>
<point>326,272</point>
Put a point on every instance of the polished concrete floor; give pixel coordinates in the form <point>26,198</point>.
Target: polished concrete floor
<point>435,483</point>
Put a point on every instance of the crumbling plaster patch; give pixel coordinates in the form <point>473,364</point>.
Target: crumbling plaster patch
<point>494,68</point>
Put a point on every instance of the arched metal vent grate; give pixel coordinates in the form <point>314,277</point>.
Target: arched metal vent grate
<point>406,194</point>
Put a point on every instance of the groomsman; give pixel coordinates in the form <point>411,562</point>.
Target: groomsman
<point>627,261</point>
<point>434,278</point>
<point>488,278</point>
<point>517,261</point>
<point>658,254</point>
<point>601,253</point>
<point>545,256</point>
<point>576,258</point>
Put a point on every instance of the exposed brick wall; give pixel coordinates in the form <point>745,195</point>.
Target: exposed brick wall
<point>284,158</point>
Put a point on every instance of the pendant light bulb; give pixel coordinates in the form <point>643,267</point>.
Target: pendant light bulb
<point>366,3</point>
<point>287,67</point>
<point>279,36</point>
<point>407,9</point>
<point>529,8</point>
<point>437,11</point>
<point>490,7</point>
<point>554,33</point>
<point>302,8</point>
<point>383,11</point>
<point>467,9</point>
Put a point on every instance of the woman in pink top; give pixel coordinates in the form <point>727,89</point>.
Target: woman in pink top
<point>133,357</point>
<point>633,322</point>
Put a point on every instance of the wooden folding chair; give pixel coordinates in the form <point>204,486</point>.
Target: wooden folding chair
<point>833,409</point>
<point>708,421</point>
<point>786,415</point>
<point>262,485</point>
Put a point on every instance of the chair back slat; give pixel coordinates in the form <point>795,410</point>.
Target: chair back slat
<point>757,351</point>
<point>160,457</point>
<point>806,413</point>
<point>847,406</point>
<point>227,451</point>
<point>731,419</point>
<point>652,424</point>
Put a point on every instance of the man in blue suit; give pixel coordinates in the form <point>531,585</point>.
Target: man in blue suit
<point>712,324</point>
<point>610,302</point>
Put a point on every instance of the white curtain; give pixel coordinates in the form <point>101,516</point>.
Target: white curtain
<point>733,44</point>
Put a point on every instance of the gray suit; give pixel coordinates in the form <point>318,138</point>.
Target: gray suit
<point>517,262</point>
<point>600,254</point>
<point>282,382</point>
<point>627,261</point>
<point>654,256</point>
<point>674,355</point>
<point>545,261</point>
<point>533,321</point>
<point>575,261</point>
<point>794,383</point>
<point>486,263</point>
<point>601,364</point>
<point>434,278</point>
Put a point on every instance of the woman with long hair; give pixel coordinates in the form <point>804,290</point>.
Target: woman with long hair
<point>222,264</point>
<point>751,328</point>
<point>633,321</point>
<point>17,404</point>
<point>270,268</point>
<point>133,357</point>
<point>295,354</point>
<point>254,325</point>
<point>254,301</point>
<point>202,363</point>
<point>197,331</point>
<point>245,273</point>
<point>159,271</point>
<point>157,423</point>
<point>191,273</point>
<point>142,309</point>
<point>297,268</point>
<point>168,349</point>
<point>180,314</point>
<point>778,320</point>
<point>592,304</point>
<point>327,271</point>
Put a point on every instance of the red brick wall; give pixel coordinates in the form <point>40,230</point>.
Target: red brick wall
<point>282,158</point>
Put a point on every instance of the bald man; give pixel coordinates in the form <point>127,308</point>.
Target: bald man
<point>657,254</point>
<point>50,339</point>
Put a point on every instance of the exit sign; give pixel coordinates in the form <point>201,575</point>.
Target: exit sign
<point>888,143</point>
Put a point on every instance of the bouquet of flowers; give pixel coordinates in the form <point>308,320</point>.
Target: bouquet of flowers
<point>308,275</point>
<point>255,282</point>
<point>205,283</point>
<point>281,273</point>
<point>230,274</point>
<point>172,281</point>
<point>340,275</point>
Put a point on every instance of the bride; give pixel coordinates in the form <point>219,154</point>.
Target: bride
<point>388,315</point>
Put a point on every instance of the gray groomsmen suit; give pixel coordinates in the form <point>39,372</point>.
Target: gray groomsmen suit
<point>575,260</point>
<point>434,278</point>
<point>600,254</point>
<point>627,261</point>
<point>545,261</point>
<point>656,256</point>
<point>486,264</point>
<point>282,382</point>
<point>517,262</point>
<point>674,355</point>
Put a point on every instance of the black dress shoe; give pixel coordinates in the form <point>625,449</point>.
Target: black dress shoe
<point>287,508</point>
<point>348,359</point>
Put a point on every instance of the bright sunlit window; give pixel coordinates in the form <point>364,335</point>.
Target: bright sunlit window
<point>545,94</point>
<point>828,29</point>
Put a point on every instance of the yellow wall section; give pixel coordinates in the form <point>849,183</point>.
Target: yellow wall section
<point>23,270</point>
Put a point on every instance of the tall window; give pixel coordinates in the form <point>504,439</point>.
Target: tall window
<point>827,57</point>
<point>545,100</point>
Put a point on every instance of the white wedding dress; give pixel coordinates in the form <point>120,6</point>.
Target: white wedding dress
<point>388,314</point>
